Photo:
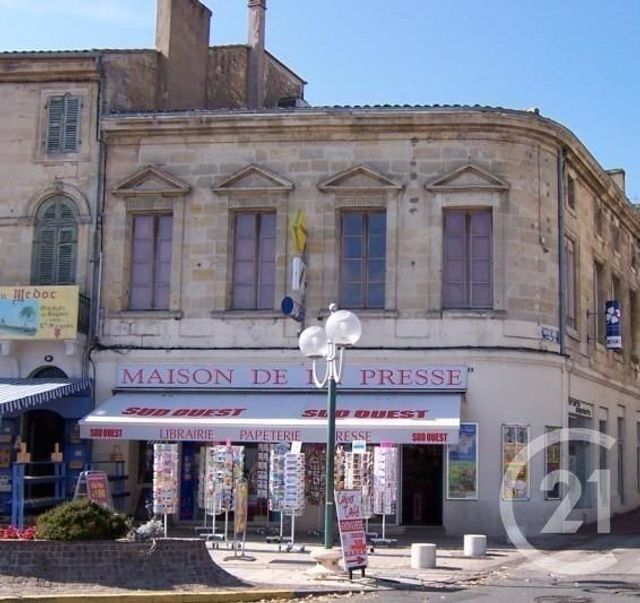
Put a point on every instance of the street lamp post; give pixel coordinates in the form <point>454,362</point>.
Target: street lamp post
<point>342,329</point>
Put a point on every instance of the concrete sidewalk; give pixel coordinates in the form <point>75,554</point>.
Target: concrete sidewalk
<point>277,574</point>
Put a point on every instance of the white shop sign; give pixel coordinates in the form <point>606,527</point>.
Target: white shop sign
<point>289,376</point>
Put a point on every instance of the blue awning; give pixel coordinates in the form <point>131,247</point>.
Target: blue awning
<point>20,394</point>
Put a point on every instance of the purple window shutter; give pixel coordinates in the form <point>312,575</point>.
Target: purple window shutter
<point>163,263</point>
<point>142,253</point>
<point>244,262</point>
<point>266,261</point>
<point>454,284</point>
<point>480,273</point>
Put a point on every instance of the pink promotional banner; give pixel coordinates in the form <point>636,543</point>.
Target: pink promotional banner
<point>351,525</point>
<point>98,488</point>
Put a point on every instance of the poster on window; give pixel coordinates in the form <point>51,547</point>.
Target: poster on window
<point>462,464</point>
<point>515,438</point>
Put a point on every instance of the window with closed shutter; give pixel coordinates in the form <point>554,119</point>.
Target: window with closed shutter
<point>254,261</point>
<point>151,262</point>
<point>63,124</point>
<point>363,253</point>
<point>55,243</point>
<point>468,266</point>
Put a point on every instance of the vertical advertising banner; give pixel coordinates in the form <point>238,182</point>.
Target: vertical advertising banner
<point>40,312</point>
<point>612,317</point>
<point>351,524</point>
<point>462,464</point>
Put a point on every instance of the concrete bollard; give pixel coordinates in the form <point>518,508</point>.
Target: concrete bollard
<point>423,556</point>
<point>475,545</point>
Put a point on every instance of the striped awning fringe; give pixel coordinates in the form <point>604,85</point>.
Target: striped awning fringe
<point>20,394</point>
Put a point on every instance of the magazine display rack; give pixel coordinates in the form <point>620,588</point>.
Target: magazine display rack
<point>359,476</point>
<point>294,496</point>
<point>223,467</point>
<point>385,488</point>
<point>315,485</point>
<point>165,480</point>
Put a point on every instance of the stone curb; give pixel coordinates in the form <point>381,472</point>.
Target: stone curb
<point>218,596</point>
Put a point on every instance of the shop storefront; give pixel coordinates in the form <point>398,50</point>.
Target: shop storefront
<point>39,429</point>
<point>413,408</point>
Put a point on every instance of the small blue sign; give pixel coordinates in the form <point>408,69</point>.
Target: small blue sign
<point>612,317</point>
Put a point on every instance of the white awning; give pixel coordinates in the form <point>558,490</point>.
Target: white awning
<point>271,417</point>
<point>18,394</point>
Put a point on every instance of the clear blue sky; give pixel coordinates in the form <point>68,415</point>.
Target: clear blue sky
<point>577,60</point>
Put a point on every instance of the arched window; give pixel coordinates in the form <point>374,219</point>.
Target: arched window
<point>55,243</point>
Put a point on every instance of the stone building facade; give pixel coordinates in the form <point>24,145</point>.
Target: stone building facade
<point>520,190</point>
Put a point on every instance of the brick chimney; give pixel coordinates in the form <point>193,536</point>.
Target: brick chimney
<point>182,39</point>
<point>255,67</point>
<point>618,177</point>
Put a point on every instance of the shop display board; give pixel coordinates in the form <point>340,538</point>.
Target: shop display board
<point>228,468</point>
<point>385,480</point>
<point>351,526</point>
<point>165,479</point>
<point>315,471</point>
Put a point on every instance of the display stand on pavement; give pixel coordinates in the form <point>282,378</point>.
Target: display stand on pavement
<point>359,476</point>
<point>276,488</point>
<point>385,489</point>
<point>227,467</point>
<point>240,508</point>
<point>294,496</point>
<point>165,481</point>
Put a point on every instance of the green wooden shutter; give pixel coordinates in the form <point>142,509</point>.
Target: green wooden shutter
<point>54,124</point>
<point>71,121</point>
<point>63,124</point>
<point>55,243</point>
<point>43,272</point>
<point>66,260</point>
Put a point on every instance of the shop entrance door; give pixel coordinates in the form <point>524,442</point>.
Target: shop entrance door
<point>422,485</point>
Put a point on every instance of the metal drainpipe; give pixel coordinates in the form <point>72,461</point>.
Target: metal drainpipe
<point>97,228</point>
<point>562,294</point>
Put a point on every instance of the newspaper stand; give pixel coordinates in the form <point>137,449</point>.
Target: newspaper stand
<point>165,481</point>
<point>385,486</point>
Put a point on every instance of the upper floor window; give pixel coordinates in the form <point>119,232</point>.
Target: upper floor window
<point>598,218</point>
<point>570,280</point>
<point>55,243</point>
<point>467,273</point>
<point>254,261</point>
<point>615,236</point>
<point>63,124</point>
<point>151,262</point>
<point>599,298</point>
<point>571,192</point>
<point>363,253</point>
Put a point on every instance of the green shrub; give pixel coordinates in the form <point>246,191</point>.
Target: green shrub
<point>81,519</point>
